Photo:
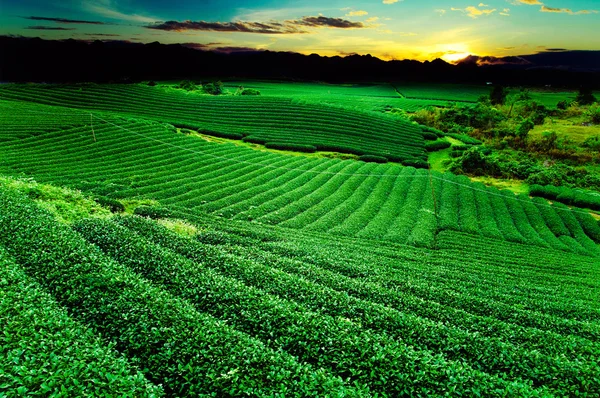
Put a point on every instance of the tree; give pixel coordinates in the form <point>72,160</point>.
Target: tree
<point>498,95</point>
<point>585,96</point>
<point>214,88</point>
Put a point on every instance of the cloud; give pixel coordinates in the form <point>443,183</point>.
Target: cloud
<point>474,12</point>
<point>64,20</point>
<point>229,50</point>
<point>390,1</point>
<point>483,5</point>
<point>528,2</point>
<point>504,14</point>
<point>247,27</point>
<point>322,21</point>
<point>372,19</point>
<point>566,11</point>
<point>272,27</point>
<point>489,60</point>
<point>358,13</point>
<point>48,28</point>
<point>102,34</point>
<point>107,9</point>
<point>440,11</point>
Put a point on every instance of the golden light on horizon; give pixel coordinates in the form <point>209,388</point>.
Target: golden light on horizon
<point>454,52</point>
<point>453,57</point>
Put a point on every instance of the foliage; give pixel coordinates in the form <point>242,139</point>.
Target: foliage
<point>568,196</point>
<point>373,158</point>
<point>151,83</point>
<point>222,134</point>
<point>287,146</point>
<point>154,212</point>
<point>213,88</point>
<point>250,91</point>
<point>111,204</point>
<point>187,85</point>
<point>437,145</point>
<point>585,96</point>
<point>592,115</point>
<point>43,351</point>
<point>187,352</point>
<point>498,95</point>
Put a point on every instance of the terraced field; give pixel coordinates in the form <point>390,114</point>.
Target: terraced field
<point>261,274</point>
<point>144,159</point>
<point>442,92</point>
<point>353,317</point>
<point>258,119</point>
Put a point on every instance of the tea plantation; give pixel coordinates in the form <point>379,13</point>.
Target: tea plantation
<point>168,264</point>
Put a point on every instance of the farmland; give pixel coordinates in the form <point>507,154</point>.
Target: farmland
<point>145,260</point>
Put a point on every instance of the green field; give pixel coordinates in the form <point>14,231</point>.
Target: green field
<point>259,273</point>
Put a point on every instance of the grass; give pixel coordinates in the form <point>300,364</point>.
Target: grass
<point>572,128</point>
<point>262,148</point>
<point>516,186</point>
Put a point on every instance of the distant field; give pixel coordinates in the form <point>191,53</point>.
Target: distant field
<point>137,158</point>
<point>164,263</point>
<point>260,119</point>
<point>442,91</point>
<point>370,97</point>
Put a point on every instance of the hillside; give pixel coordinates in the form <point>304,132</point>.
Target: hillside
<point>354,317</point>
<point>141,257</point>
<point>138,158</point>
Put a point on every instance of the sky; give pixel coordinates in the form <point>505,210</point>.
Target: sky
<point>388,29</point>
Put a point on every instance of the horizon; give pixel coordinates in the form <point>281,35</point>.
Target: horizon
<point>386,29</point>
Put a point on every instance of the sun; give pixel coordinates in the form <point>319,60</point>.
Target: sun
<point>453,57</point>
<point>453,52</point>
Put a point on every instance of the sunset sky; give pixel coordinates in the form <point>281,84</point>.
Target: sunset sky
<point>389,29</point>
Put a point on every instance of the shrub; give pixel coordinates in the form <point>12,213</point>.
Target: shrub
<point>112,204</point>
<point>373,158</point>
<point>564,104</point>
<point>222,134</point>
<point>151,83</point>
<point>430,136</point>
<point>593,114</point>
<point>187,85</point>
<point>498,95</point>
<point>250,91</point>
<point>288,146</point>
<point>585,96</point>
<point>153,212</point>
<point>254,140</point>
<point>437,145</point>
<point>214,88</point>
<point>416,163</point>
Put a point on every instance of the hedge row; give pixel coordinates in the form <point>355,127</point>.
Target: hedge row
<point>334,336</point>
<point>373,158</point>
<point>489,353</point>
<point>45,352</point>
<point>437,145</point>
<point>288,146</point>
<point>186,352</point>
<point>568,196</point>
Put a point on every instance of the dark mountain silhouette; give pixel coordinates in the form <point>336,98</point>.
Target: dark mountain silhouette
<point>34,59</point>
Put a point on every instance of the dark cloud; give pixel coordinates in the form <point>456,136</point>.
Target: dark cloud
<point>489,60</point>
<point>48,28</point>
<point>64,20</point>
<point>229,50</point>
<point>247,27</point>
<point>101,34</point>
<point>201,46</point>
<point>322,21</point>
<point>271,27</point>
<point>556,49</point>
